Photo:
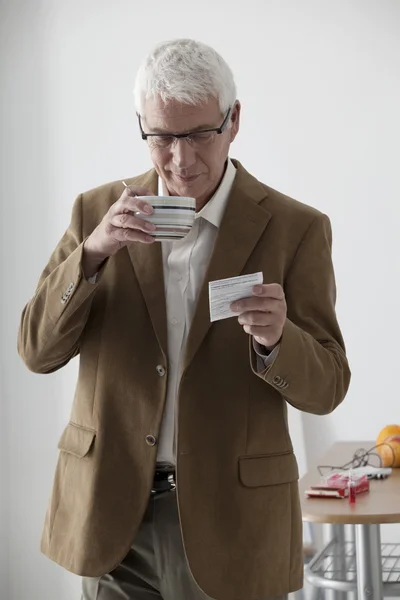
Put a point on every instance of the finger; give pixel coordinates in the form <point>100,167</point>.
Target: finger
<point>130,197</point>
<point>130,204</point>
<point>256,303</point>
<point>269,290</point>
<point>131,235</point>
<point>257,318</point>
<point>135,204</point>
<point>127,220</point>
<point>268,335</point>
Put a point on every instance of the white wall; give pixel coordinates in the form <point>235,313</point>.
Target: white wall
<point>319,83</point>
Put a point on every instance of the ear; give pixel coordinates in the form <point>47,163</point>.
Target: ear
<point>235,120</point>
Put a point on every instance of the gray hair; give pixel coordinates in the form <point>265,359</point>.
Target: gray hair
<point>186,71</point>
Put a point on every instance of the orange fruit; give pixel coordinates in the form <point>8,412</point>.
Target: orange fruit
<point>390,452</point>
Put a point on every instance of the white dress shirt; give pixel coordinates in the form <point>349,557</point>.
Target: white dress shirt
<point>185,264</point>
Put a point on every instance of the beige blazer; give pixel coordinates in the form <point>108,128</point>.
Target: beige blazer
<point>236,471</point>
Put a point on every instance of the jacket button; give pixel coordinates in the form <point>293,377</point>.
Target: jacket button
<point>277,379</point>
<point>160,370</point>
<point>151,440</point>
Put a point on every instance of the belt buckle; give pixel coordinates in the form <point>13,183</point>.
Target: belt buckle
<point>171,480</point>
<point>172,483</point>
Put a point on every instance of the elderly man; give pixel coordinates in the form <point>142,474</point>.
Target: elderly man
<point>176,476</point>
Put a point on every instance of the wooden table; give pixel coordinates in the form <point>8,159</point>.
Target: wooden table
<point>380,505</point>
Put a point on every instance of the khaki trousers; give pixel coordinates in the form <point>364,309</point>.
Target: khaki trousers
<point>155,566</point>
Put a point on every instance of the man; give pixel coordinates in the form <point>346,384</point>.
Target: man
<point>176,476</point>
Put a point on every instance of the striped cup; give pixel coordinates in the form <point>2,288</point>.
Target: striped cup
<point>172,215</point>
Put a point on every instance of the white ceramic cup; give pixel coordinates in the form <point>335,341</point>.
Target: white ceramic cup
<point>172,215</point>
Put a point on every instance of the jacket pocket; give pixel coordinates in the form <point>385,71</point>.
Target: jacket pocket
<point>76,440</point>
<point>271,469</point>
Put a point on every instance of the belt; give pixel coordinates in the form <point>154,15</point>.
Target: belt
<point>164,479</point>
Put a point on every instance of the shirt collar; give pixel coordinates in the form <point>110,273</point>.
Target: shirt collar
<point>214,210</point>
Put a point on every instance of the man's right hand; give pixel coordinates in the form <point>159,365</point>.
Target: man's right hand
<point>118,228</point>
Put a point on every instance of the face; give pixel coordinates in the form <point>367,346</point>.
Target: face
<point>188,170</point>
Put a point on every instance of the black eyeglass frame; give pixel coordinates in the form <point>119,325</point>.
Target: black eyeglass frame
<point>179,136</point>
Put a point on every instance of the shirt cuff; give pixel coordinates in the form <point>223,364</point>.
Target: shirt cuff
<point>264,358</point>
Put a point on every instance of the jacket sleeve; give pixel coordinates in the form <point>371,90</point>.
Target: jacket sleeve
<point>53,320</point>
<point>310,370</point>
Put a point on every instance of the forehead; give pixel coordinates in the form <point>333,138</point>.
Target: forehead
<point>178,117</point>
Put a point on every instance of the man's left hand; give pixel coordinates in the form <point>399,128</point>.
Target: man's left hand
<point>264,314</point>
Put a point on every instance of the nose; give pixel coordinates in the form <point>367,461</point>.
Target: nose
<point>183,154</point>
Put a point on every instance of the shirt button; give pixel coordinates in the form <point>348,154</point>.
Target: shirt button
<point>151,440</point>
<point>160,370</point>
<point>174,322</point>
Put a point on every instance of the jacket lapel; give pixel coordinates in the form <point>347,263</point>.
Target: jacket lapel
<point>242,225</point>
<point>148,265</point>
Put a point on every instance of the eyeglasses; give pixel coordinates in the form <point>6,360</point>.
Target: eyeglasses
<point>197,139</point>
